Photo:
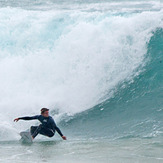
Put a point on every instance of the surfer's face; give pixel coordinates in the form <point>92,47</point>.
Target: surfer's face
<point>46,114</point>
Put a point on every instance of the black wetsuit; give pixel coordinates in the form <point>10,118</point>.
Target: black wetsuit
<point>47,126</point>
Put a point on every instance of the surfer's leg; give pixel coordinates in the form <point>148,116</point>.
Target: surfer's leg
<point>46,132</point>
<point>37,130</point>
<point>33,129</point>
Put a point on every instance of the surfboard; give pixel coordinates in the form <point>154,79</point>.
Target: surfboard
<point>26,137</point>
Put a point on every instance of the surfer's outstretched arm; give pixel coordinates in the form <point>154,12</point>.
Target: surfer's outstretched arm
<point>26,118</point>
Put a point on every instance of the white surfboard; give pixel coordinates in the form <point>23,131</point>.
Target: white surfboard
<point>26,137</point>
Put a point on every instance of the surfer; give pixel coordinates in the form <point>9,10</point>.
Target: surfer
<point>47,126</point>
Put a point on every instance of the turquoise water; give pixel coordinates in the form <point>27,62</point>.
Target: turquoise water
<point>97,65</point>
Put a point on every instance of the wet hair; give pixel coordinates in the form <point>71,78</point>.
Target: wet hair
<point>44,110</point>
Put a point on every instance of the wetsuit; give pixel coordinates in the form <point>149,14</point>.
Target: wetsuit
<point>47,126</point>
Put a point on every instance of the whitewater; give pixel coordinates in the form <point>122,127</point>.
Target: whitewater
<point>98,67</point>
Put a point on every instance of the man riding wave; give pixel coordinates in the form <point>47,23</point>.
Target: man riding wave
<point>47,126</point>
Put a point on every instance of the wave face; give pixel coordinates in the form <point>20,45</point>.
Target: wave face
<point>73,61</point>
<point>136,109</point>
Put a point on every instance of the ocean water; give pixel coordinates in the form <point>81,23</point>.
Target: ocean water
<point>98,67</point>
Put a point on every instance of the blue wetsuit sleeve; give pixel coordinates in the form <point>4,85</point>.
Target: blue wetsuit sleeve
<point>54,127</point>
<point>29,118</point>
<point>59,131</point>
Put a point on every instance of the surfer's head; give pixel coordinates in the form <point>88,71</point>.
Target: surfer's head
<point>45,112</point>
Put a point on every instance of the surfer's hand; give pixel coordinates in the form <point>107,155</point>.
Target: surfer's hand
<point>16,119</point>
<point>64,137</point>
